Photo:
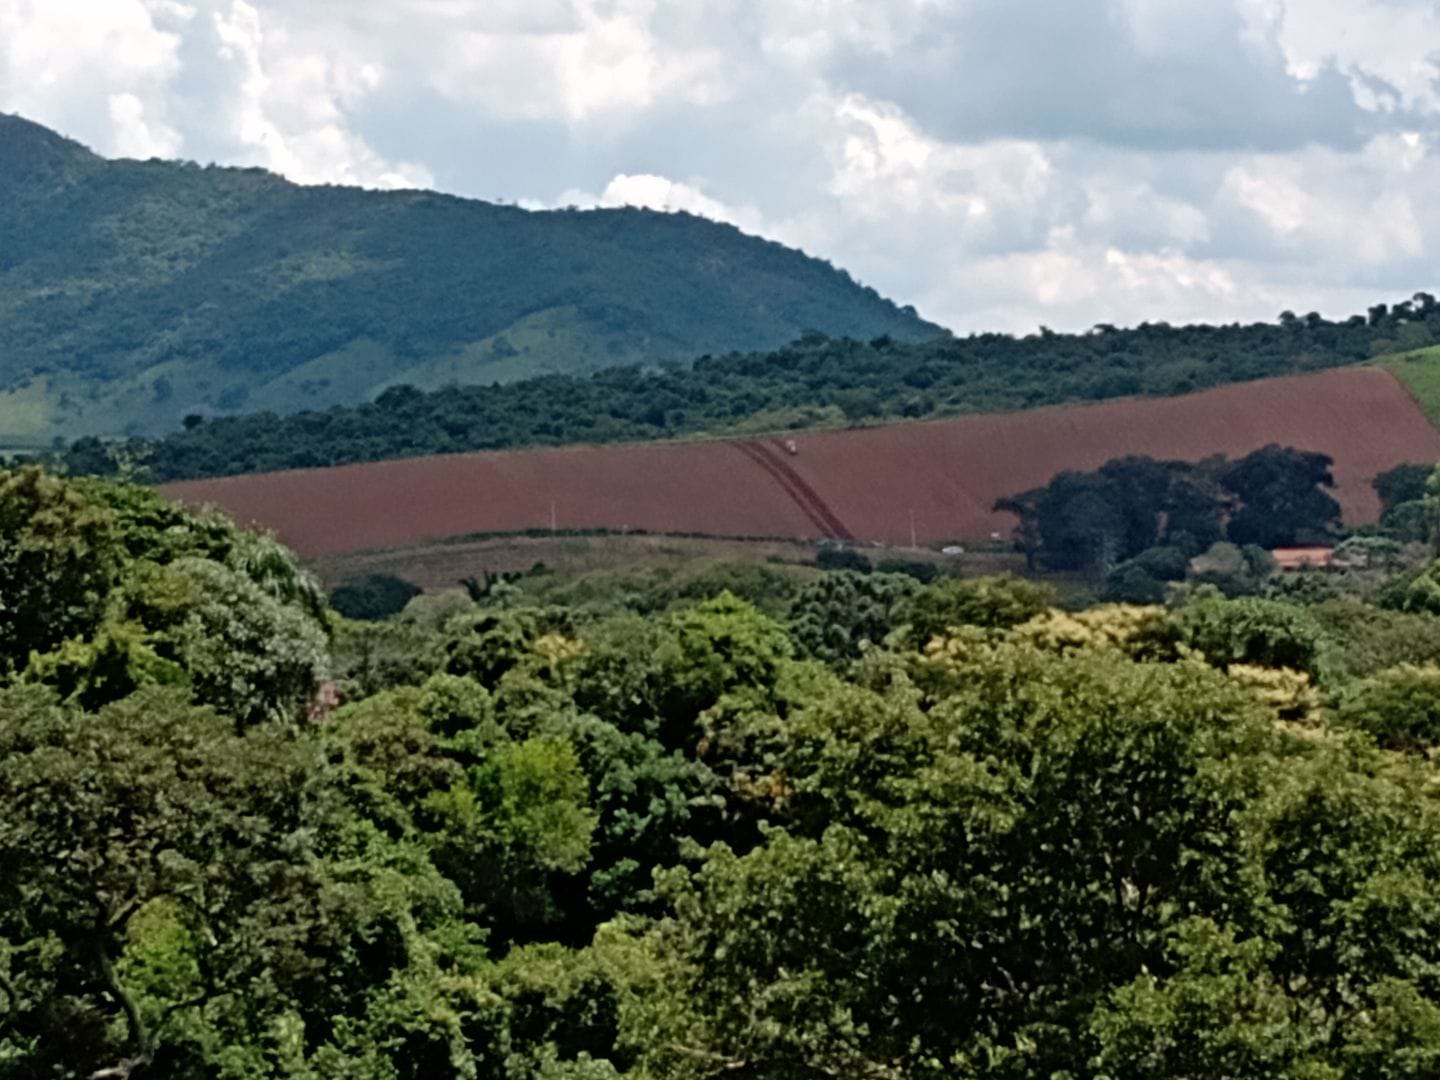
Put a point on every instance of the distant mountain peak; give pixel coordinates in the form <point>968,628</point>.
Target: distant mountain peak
<point>31,152</point>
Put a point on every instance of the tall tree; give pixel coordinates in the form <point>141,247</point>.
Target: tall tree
<point>1282,497</point>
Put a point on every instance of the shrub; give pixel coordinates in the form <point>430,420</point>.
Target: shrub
<point>1263,633</point>
<point>373,597</point>
<point>1399,708</point>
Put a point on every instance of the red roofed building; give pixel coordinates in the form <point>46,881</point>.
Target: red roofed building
<point>1303,558</point>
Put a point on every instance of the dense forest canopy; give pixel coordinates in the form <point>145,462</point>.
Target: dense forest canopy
<point>775,825</point>
<point>815,381</point>
<point>134,293</point>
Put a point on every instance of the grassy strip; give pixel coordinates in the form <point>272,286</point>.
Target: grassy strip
<point>1419,373</point>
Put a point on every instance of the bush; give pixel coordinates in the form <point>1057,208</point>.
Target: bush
<point>1130,583</point>
<point>832,618</point>
<point>1417,592</point>
<point>1399,708</point>
<point>1409,522</point>
<point>373,597</point>
<point>1141,580</point>
<point>1233,570</point>
<point>1364,640</point>
<point>923,572</point>
<point>993,603</point>
<point>1164,563</point>
<point>1263,633</point>
<point>842,558</point>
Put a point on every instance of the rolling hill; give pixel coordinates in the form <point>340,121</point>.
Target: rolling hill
<point>134,293</point>
<point>926,481</point>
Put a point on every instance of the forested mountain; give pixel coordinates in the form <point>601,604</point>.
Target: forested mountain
<point>134,293</point>
<point>815,381</point>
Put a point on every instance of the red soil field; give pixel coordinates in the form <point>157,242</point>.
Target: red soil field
<point>928,481</point>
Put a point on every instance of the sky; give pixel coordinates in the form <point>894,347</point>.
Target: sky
<point>1000,164</point>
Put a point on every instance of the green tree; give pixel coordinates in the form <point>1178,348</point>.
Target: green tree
<point>60,554</point>
<point>151,805</point>
<point>1399,707</point>
<point>969,876</point>
<point>1282,497</point>
<point>717,646</point>
<point>373,597</point>
<point>1265,633</point>
<point>833,618</point>
<point>1401,484</point>
<point>520,817</point>
<point>243,651</point>
<point>993,603</point>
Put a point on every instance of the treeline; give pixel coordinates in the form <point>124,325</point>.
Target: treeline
<point>565,830</point>
<point>814,382</point>
<point>1134,507</point>
<point>1142,525</point>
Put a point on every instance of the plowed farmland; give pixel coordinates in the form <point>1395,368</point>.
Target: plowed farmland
<point>922,481</point>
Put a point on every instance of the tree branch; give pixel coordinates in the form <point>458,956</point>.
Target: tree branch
<point>139,1044</point>
<point>7,987</point>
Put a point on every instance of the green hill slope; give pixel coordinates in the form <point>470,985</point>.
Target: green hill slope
<point>134,293</point>
<point>1419,371</point>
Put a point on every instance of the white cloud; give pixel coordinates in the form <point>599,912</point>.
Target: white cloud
<point>97,70</point>
<point>1394,41</point>
<point>602,58</point>
<point>288,105</point>
<point>1359,210</point>
<point>886,167</point>
<point>134,132</point>
<point>659,193</point>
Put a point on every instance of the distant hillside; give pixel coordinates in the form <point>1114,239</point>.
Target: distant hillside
<point>135,293</point>
<point>814,382</point>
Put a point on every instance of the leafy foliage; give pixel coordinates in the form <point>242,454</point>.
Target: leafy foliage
<point>1281,498</point>
<point>59,557</point>
<point>1399,707</point>
<point>1141,519</point>
<point>375,596</point>
<point>833,618</point>
<point>1249,630</point>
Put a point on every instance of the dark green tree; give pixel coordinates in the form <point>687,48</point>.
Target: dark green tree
<point>1282,497</point>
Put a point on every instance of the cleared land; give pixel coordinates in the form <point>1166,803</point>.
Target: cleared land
<point>442,564</point>
<point>919,482</point>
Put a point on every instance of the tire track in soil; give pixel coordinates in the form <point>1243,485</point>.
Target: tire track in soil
<point>837,527</point>
<point>761,460</point>
<point>794,485</point>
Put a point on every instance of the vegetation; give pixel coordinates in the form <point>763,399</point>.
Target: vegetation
<point>134,294</point>
<point>1419,370</point>
<point>1142,522</point>
<point>890,829</point>
<point>374,596</point>
<point>815,381</point>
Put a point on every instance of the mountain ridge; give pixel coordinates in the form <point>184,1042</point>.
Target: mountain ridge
<point>134,293</point>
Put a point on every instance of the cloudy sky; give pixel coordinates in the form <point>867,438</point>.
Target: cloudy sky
<point>998,163</point>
